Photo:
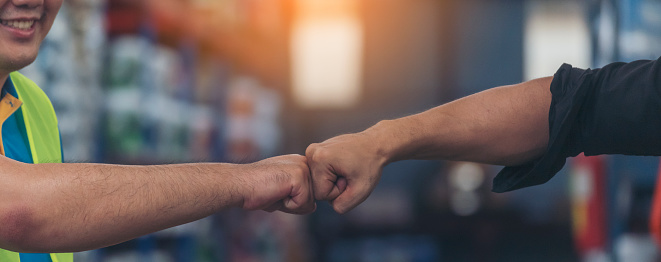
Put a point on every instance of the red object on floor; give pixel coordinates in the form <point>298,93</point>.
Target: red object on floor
<point>588,191</point>
<point>655,214</point>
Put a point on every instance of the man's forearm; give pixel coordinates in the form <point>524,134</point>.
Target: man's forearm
<point>506,125</point>
<point>67,207</point>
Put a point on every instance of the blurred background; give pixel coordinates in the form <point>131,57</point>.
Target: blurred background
<point>170,81</point>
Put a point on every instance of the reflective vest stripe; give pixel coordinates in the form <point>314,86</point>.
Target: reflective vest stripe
<point>62,257</point>
<point>40,121</point>
<point>43,137</point>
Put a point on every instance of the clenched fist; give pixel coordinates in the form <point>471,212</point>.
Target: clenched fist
<point>279,183</point>
<point>345,169</point>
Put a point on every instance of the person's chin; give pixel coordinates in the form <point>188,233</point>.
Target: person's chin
<point>17,62</point>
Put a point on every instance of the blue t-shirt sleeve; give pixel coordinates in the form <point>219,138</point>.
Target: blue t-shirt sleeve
<point>611,110</point>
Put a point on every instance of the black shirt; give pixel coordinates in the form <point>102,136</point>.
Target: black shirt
<point>611,110</point>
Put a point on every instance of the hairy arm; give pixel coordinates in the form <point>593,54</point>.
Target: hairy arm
<point>74,207</point>
<point>505,125</point>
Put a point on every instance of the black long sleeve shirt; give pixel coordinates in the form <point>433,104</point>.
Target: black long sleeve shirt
<point>611,110</point>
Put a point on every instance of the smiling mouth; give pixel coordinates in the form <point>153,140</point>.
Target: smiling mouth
<point>18,24</point>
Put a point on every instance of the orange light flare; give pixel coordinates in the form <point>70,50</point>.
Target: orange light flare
<point>326,53</point>
<point>324,9</point>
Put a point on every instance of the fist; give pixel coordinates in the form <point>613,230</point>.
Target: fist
<point>345,170</point>
<point>279,183</point>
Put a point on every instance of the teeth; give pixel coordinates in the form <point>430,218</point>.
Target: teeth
<point>22,25</point>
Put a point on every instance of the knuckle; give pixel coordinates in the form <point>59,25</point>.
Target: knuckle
<point>293,158</point>
<point>321,155</point>
<point>303,165</point>
<point>311,149</point>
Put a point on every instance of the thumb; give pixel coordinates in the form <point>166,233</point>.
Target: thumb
<point>294,205</point>
<point>301,198</point>
<point>354,194</point>
<point>325,183</point>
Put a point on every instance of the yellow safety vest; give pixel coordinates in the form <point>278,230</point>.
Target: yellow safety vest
<point>43,136</point>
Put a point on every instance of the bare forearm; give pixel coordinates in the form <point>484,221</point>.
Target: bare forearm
<point>506,125</point>
<point>86,206</point>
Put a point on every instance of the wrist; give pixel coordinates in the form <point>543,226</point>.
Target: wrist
<point>238,190</point>
<point>387,144</point>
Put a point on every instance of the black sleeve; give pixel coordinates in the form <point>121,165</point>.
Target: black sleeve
<point>612,110</point>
